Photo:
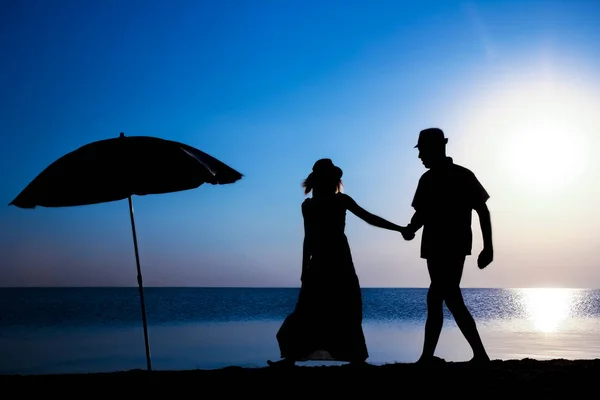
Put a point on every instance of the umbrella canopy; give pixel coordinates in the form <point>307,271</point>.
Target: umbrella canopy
<point>114,169</point>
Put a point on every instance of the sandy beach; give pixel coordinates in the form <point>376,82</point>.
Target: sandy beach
<point>550,378</point>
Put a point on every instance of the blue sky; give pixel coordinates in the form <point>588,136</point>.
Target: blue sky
<point>270,87</point>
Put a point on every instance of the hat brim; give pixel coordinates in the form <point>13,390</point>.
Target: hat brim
<point>433,142</point>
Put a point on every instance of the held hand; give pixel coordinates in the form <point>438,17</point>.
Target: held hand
<point>485,257</point>
<point>407,234</point>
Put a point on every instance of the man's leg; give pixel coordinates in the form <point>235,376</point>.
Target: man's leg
<point>456,305</point>
<point>435,312</point>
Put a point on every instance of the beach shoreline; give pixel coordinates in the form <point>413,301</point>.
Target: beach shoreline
<point>498,378</point>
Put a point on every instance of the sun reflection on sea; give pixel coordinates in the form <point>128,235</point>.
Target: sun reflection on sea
<point>548,308</point>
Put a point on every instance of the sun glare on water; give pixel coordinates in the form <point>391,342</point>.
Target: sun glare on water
<point>547,308</point>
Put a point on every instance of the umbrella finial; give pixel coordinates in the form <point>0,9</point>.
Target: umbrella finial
<point>121,135</point>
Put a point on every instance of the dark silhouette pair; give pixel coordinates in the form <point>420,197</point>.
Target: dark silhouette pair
<point>326,323</point>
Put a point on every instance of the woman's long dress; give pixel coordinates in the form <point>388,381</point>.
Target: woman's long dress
<point>326,323</point>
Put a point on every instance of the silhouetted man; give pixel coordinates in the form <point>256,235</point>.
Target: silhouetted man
<point>445,197</point>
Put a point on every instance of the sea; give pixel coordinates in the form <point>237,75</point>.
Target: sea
<point>83,330</point>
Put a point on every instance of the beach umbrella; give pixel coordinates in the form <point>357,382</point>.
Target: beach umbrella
<point>118,168</point>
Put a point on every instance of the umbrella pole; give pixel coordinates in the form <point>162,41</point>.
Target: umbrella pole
<point>140,285</point>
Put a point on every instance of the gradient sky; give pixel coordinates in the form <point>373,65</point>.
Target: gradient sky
<point>269,87</point>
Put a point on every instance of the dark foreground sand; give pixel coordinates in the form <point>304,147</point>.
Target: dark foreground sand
<point>499,379</point>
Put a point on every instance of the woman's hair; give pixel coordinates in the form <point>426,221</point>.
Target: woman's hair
<point>325,175</point>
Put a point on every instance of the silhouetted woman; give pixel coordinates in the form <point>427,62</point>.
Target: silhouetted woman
<point>326,323</point>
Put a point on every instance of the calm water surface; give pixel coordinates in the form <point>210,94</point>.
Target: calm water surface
<point>56,330</point>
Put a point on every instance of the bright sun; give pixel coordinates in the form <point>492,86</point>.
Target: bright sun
<point>547,149</point>
<point>534,135</point>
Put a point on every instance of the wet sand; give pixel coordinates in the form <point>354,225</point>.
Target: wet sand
<point>550,378</point>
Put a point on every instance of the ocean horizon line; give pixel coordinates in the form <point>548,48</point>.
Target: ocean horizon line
<point>280,287</point>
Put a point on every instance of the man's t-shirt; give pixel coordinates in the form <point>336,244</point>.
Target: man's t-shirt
<point>445,198</point>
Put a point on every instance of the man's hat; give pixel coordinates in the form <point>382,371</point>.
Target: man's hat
<point>431,136</point>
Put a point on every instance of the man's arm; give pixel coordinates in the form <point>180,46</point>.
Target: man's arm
<point>486,225</point>
<point>487,254</point>
<point>416,222</point>
<point>419,201</point>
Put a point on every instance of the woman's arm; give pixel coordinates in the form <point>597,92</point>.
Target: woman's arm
<point>369,218</point>
<point>306,245</point>
<point>305,258</point>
